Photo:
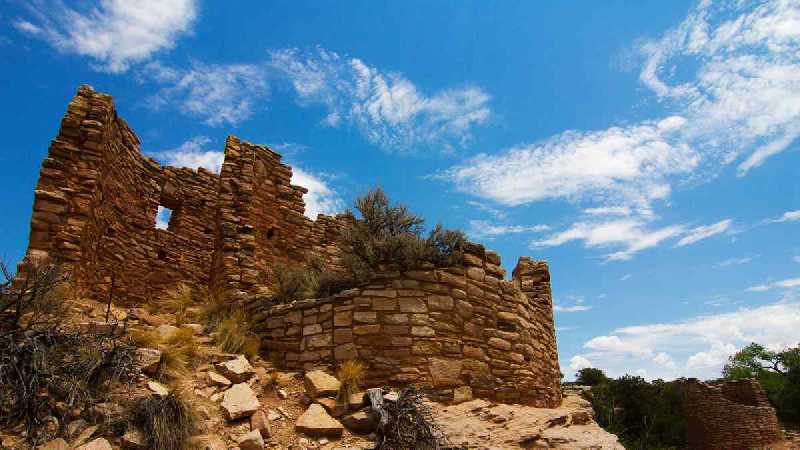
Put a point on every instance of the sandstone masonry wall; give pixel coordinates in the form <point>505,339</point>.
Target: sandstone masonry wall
<point>443,327</point>
<point>735,415</point>
<point>97,197</point>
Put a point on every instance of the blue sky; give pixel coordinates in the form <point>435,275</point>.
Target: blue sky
<point>646,149</point>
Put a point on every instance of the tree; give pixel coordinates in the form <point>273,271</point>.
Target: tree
<point>590,376</point>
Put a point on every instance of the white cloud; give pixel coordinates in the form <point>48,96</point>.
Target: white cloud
<point>629,164</point>
<point>577,307</point>
<point>218,94</point>
<point>728,78</point>
<point>485,229</point>
<point>704,232</point>
<point>788,216</point>
<point>387,108</point>
<point>578,362</point>
<point>625,277</point>
<point>608,211</point>
<point>783,284</point>
<point>114,33</point>
<point>733,262</point>
<point>696,347</point>
<point>495,212</point>
<point>796,259</point>
<point>193,155</point>
<point>320,198</point>
<point>630,234</point>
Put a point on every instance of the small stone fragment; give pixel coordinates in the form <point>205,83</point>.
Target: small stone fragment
<point>360,421</point>
<point>158,388</point>
<point>260,423</point>
<point>250,441</point>
<point>237,370</point>
<point>215,379</point>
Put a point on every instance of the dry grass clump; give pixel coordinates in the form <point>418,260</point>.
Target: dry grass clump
<point>234,335</point>
<point>177,301</point>
<point>144,338</point>
<point>351,376</point>
<point>43,362</point>
<point>178,355</point>
<point>167,421</point>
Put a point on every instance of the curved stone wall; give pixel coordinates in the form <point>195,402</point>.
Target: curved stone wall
<point>735,415</point>
<point>441,327</point>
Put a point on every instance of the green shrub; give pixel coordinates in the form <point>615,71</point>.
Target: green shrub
<point>293,284</point>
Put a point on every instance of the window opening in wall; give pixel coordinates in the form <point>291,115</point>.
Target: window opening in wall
<point>270,233</point>
<point>162,254</point>
<point>162,217</point>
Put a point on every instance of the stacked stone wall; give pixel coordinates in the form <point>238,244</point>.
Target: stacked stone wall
<point>735,415</point>
<point>96,202</point>
<point>450,327</point>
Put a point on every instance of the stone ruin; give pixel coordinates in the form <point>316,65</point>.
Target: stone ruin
<point>731,416</point>
<point>95,213</point>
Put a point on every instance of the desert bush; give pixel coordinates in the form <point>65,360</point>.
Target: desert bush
<point>330,283</point>
<point>234,335</point>
<point>351,376</point>
<point>293,283</point>
<point>43,361</point>
<point>176,301</point>
<point>166,421</point>
<point>385,233</point>
<point>409,424</point>
<point>178,355</point>
<point>144,338</point>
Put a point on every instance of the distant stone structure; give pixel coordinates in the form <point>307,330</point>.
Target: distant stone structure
<point>731,416</point>
<point>95,213</point>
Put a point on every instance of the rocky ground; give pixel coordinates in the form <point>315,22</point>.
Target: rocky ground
<point>250,405</point>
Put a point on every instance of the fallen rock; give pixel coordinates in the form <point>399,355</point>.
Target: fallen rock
<point>316,422</point>
<point>166,331</point>
<point>362,421</point>
<point>215,379</point>
<point>273,415</point>
<point>97,444</point>
<point>239,401</point>
<point>55,444</point>
<point>206,442</point>
<point>462,394</point>
<point>84,436</point>
<point>320,384</point>
<point>237,370</point>
<point>134,439</point>
<point>250,441</point>
<point>259,422</point>
<point>148,359</point>
<point>158,388</point>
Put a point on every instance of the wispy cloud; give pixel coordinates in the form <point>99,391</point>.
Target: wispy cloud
<point>782,284</point>
<point>788,216</point>
<point>388,109</point>
<point>734,261</point>
<point>320,198</point>
<point>577,306</point>
<point>728,77</point>
<point>486,229</point>
<point>695,347</point>
<point>114,33</point>
<point>625,277</point>
<point>704,232</point>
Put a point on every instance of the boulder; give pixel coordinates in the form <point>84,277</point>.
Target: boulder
<point>238,370</point>
<point>158,388</point>
<point>316,422</point>
<point>462,394</point>
<point>259,422</point>
<point>206,442</point>
<point>166,331</point>
<point>148,359</point>
<point>97,444</point>
<point>239,401</point>
<point>320,384</point>
<point>250,441</point>
<point>215,379</point>
<point>55,444</point>
<point>134,439</point>
<point>361,421</point>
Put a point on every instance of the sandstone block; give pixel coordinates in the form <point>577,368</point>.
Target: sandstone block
<point>215,379</point>
<point>413,305</point>
<point>366,329</point>
<point>499,343</point>
<point>384,304</point>
<point>237,370</point>
<point>365,317</point>
<point>345,352</point>
<point>320,384</point>
<point>342,319</point>
<point>462,394</point>
<point>361,422</point>
<point>423,331</point>
<point>316,422</point>
<point>440,303</point>
<point>250,441</point>
<point>239,401</point>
